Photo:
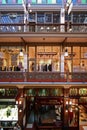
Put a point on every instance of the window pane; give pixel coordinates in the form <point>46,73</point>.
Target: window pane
<point>59,1</point>
<point>39,1</point>
<point>56,18</point>
<point>40,18</point>
<point>53,1</point>
<point>3,1</point>
<point>19,1</point>
<point>76,50</point>
<point>33,1</point>
<point>9,1</point>
<point>44,1</point>
<point>76,59</point>
<point>49,1</point>
<point>48,58</point>
<point>31,52</point>
<point>84,2</point>
<point>48,18</point>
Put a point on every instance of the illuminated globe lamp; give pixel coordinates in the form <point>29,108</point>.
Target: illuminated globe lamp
<point>21,53</point>
<point>66,52</point>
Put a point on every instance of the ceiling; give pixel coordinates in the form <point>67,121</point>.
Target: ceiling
<point>43,38</point>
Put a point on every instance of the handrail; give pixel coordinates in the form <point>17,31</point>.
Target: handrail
<point>37,27</point>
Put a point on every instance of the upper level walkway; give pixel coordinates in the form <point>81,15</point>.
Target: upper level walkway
<point>52,78</point>
<point>43,33</point>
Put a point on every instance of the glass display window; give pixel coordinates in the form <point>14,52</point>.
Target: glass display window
<point>76,59</point>
<point>48,58</point>
<point>50,115</point>
<point>57,92</point>
<point>31,17</point>
<point>82,115</point>
<point>8,112</point>
<point>56,18</point>
<point>15,60</point>
<point>79,17</point>
<point>40,17</point>
<point>48,18</point>
<point>71,112</point>
<point>31,52</point>
<point>31,92</point>
<point>43,92</point>
<point>83,91</point>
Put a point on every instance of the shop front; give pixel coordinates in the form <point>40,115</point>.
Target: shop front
<point>8,108</point>
<point>45,58</point>
<point>51,108</point>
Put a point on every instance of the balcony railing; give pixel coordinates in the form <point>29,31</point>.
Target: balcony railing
<point>33,27</point>
<point>42,77</point>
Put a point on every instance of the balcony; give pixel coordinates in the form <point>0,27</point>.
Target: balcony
<point>43,28</point>
<point>43,33</point>
<point>43,77</point>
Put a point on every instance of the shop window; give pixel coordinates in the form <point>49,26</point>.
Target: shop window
<point>31,59</point>
<point>31,17</point>
<point>76,59</point>
<point>43,92</point>
<point>84,52</point>
<point>71,113</point>
<point>48,18</point>
<point>56,18</point>
<point>31,52</point>
<point>57,92</point>
<point>40,17</point>
<point>15,60</point>
<point>30,92</point>
<point>6,113</point>
<point>83,113</point>
<point>48,59</point>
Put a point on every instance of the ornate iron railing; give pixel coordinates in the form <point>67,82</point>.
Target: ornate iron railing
<point>42,77</point>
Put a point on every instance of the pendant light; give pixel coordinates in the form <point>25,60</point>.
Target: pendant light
<point>66,52</point>
<point>21,52</point>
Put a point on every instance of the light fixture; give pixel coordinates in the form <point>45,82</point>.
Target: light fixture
<point>66,52</point>
<point>41,28</point>
<point>21,52</point>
